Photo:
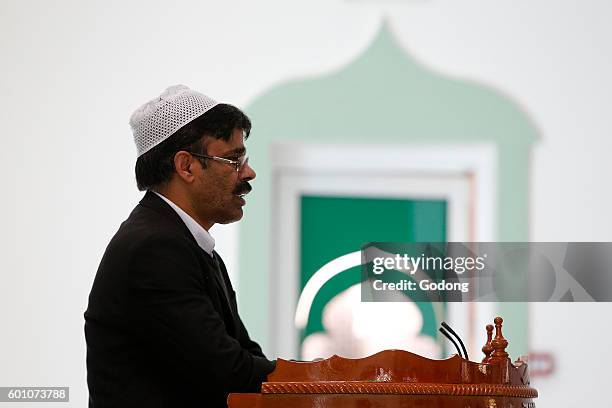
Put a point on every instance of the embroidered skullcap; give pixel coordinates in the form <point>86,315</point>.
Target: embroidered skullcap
<point>159,118</point>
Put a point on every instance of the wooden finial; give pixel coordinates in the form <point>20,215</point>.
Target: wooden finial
<point>499,343</point>
<point>487,349</point>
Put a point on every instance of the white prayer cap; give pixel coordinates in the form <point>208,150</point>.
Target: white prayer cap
<point>159,118</point>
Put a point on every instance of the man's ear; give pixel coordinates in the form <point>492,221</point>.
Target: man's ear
<point>183,166</point>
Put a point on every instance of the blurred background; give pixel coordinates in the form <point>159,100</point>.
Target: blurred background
<point>405,120</point>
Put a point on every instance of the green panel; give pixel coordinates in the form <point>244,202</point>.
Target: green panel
<point>384,97</point>
<point>335,226</point>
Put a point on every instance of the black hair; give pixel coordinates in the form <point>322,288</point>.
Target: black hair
<point>155,167</point>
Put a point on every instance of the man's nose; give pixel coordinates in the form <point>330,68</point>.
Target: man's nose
<point>247,173</point>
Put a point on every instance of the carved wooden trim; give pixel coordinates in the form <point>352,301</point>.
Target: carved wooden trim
<point>358,387</point>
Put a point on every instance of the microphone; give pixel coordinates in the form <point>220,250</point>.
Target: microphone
<point>447,335</point>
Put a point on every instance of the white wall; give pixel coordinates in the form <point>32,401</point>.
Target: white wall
<point>71,73</point>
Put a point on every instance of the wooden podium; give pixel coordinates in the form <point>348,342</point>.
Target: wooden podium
<point>396,378</point>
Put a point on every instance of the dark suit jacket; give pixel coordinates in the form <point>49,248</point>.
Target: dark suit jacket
<point>160,331</point>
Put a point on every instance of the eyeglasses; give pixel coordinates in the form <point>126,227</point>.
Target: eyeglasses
<point>238,164</point>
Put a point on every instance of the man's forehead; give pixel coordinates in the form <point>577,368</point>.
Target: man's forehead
<point>235,145</point>
<point>235,151</point>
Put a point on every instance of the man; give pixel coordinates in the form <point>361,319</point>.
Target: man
<point>162,326</point>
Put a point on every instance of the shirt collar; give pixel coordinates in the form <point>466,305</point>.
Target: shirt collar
<point>202,237</point>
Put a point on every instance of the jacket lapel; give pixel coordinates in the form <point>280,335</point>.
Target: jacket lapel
<point>152,200</point>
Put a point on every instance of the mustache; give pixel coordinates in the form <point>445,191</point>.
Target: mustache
<point>243,188</point>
